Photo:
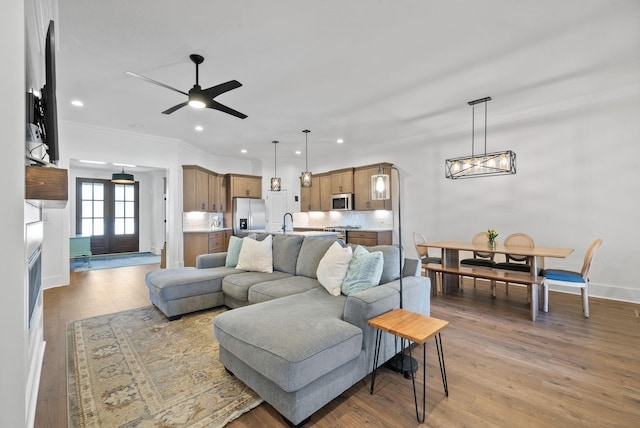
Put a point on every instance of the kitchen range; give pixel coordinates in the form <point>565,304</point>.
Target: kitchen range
<point>341,230</point>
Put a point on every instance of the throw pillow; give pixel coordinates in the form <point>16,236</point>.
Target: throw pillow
<point>233,252</point>
<point>333,267</point>
<point>365,271</point>
<point>256,256</point>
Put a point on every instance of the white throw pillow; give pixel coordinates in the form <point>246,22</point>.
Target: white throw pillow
<point>256,256</point>
<point>333,267</point>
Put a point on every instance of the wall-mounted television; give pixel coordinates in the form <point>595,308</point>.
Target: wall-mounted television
<point>42,112</point>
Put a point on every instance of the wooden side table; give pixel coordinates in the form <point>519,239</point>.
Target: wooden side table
<point>416,328</point>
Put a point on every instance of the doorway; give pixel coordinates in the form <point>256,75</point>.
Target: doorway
<point>109,213</point>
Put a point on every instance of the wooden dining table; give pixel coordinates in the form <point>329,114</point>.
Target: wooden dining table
<point>452,271</point>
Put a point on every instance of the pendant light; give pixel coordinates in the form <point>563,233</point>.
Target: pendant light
<point>305,178</point>
<point>276,182</point>
<point>481,165</point>
<point>122,178</point>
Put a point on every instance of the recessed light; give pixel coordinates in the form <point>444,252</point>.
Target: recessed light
<point>298,152</point>
<point>124,164</point>
<point>77,103</point>
<point>92,161</point>
<point>340,141</point>
<point>199,128</point>
<point>243,151</point>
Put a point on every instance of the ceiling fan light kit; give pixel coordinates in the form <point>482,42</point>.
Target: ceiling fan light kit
<point>305,178</point>
<point>198,97</point>
<point>480,165</point>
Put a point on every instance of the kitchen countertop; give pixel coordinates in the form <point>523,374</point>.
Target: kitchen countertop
<point>206,230</point>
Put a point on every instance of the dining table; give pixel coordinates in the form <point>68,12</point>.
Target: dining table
<point>452,271</point>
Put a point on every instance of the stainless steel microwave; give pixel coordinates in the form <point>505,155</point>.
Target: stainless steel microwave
<point>342,202</point>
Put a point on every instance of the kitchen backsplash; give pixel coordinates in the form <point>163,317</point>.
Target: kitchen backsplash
<point>380,219</point>
<point>195,220</point>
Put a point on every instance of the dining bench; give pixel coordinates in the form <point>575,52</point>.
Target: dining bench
<point>533,282</point>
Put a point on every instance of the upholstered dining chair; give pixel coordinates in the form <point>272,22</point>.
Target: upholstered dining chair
<point>481,258</point>
<point>571,279</point>
<point>516,262</point>
<point>423,255</point>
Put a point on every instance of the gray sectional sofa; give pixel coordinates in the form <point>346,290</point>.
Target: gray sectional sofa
<point>287,338</point>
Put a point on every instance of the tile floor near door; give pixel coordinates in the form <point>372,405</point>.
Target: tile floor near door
<point>503,369</point>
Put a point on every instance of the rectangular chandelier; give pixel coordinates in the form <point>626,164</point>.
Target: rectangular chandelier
<point>496,163</point>
<point>480,164</point>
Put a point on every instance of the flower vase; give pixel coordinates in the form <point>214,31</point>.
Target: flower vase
<point>492,244</point>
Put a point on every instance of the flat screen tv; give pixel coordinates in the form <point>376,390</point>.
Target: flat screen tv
<point>46,114</point>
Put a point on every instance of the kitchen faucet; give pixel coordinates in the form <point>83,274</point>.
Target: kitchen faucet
<point>284,222</point>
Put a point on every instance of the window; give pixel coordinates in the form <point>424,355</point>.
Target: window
<point>92,209</point>
<point>125,215</point>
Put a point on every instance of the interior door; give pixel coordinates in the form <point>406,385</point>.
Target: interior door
<point>109,213</point>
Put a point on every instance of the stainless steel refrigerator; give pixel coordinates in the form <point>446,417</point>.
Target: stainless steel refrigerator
<point>248,214</point>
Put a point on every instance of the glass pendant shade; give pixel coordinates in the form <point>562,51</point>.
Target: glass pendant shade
<point>380,186</point>
<point>276,182</point>
<point>305,178</point>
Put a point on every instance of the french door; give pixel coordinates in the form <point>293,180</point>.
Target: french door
<point>108,212</point>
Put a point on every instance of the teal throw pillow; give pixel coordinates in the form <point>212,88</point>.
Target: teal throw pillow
<point>233,252</point>
<point>365,271</point>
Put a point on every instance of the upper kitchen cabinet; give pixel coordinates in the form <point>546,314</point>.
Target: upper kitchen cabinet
<point>342,181</point>
<point>244,186</point>
<point>203,190</point>
<point>362,188</point>
<point>310,196</point>
<point>325,192</point>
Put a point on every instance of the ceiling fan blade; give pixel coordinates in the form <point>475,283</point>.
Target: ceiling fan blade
<point>217,106</point>
<point>214,91</point>
<point>176,107</point>
<point>155,82</point>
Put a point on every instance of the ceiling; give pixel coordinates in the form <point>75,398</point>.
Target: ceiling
<point>369,72</point>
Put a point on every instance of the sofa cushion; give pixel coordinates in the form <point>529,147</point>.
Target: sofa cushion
<point>293,340</point>
<point>237,286</point>
<point>311,252</point>
<point>283,287</point>
<point>364,271</point>
<point>333,267</point>
<point>256,256</point>
<point>177,283</point>
<point>233,251</point>
<point>285,252</point>
<point>391,257</point>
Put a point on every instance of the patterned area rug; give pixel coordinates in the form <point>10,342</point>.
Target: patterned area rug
<point>137,369</point>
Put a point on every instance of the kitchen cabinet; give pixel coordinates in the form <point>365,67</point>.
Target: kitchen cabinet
<point>342,181</point>
<point>369,238</point>
<point>196,243</point>
<point>362,188</point>
<point>310,196</point>
<point>244,186</point>
<point>203,190</point>
<point>325,192</point>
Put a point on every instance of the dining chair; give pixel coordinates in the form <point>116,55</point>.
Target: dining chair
<point>516,262</point>
<point>571,279</point>
<point>481,258</point>
<point>423,255</point>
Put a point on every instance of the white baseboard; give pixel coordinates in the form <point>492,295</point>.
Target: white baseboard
<point>605,291</point>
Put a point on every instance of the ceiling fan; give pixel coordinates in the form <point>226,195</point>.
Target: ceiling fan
<point>198,97</point>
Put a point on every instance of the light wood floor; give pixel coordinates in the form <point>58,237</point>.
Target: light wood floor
<point>503,370</point>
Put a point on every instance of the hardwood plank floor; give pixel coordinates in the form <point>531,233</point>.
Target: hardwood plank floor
<point>503,370</point>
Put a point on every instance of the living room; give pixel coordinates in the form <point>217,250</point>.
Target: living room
<point>565,98</point>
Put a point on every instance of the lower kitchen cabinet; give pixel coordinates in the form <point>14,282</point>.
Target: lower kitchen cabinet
<point>369,239</point>
<point>204,243</point>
